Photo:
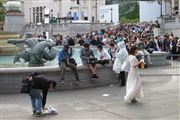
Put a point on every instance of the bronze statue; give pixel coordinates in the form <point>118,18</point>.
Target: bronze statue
<point>35,52</point>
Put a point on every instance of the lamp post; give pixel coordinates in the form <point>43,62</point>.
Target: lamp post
<point>96,9</point>
<point>161,8</point>
<point>35,19</point>
<point>111,15</point>
<point>30,14</point>
<point>160,3</point>
<point>70,14</point>
<point>51,15</point>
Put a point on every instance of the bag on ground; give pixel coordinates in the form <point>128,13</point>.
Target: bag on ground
<point>51,111</point>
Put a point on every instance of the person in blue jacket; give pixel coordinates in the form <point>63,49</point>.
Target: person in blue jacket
<point>64,60</point>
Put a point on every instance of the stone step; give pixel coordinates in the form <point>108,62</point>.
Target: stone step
<point>11,82</point>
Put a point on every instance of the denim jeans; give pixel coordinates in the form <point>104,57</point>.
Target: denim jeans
<point>36,100</point>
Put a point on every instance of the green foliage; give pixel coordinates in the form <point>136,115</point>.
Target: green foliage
<point>124,20</point>
<point>7,33</point>
<point>2,12</point>
<point>2,15</point>
<point>129,12</point>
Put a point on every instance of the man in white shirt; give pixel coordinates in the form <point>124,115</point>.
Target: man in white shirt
<point>103,55</point>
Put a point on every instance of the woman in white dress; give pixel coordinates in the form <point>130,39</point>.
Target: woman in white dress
<point>134,85</point>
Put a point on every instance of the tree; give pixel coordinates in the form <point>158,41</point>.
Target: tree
<point>2,12</point>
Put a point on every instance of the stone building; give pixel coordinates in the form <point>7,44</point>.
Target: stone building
<point>170,20</point>
<point>76,9</point>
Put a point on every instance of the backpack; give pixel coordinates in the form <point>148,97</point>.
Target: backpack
<point>26,86</point>
<point>73,61</point>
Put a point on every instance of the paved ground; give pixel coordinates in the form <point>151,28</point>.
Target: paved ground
<point>161,102</point>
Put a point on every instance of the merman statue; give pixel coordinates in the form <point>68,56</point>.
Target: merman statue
<point>35,52</point>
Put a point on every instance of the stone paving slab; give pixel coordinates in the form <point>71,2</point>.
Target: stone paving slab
<point>161,102</point>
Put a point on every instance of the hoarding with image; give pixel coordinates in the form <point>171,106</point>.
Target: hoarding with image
<point>150,10</point>
<point>109,13</point>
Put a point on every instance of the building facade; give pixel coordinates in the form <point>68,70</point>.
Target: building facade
<point>75,9</point>
<point>170,20</point>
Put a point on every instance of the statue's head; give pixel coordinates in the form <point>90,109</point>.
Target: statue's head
<point>27,35</point>
<point>14,6</point>
<point>51,42</point>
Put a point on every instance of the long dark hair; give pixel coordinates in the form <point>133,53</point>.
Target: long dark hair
<point>86,45</point>
<point>132,50</point>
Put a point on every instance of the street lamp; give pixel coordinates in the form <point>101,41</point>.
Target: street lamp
<point>96,10</point>
<point>51,14</point>
<point>30,14</point>
<point>70,14</point>
<point>160,3</point>
<point>35,18</point>
<point>111,15</point>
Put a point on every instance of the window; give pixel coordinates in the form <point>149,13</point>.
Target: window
<point>38,13</point>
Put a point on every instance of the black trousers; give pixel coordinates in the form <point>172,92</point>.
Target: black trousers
<point>122,78</point>
<point>103,62</point>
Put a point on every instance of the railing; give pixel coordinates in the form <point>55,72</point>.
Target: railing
<point>66,28</point>
<point>170,24</point>
<point>170,19</point>
<point>171,69</point>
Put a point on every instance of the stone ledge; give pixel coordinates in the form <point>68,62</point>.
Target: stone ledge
<point>10,78</point>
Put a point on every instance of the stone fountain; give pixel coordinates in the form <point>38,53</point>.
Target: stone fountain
<point>34,51</point>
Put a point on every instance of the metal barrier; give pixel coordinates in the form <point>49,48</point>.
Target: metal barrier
<point>171,69</point>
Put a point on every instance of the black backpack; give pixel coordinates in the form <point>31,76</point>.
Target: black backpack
<point>26,86</point>
<point>73,61</point>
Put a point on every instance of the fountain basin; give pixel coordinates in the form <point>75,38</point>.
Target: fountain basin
<point>10,78</point>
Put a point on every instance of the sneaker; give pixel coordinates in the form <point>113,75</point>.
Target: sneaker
<point>78,81</point>
<point>134,100</point>
<point>96,76</point>
<point>93,76</point>
<point>122,85</point>
<point>34,112</point>
<point>39,114</point>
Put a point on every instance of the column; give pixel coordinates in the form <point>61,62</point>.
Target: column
<point>179,7</point>
<point>173,7</point>
<point>29,15</point>
<point>60,8</point>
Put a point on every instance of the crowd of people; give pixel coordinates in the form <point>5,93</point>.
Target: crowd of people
<point>123,42</point>
<point>140,34</point>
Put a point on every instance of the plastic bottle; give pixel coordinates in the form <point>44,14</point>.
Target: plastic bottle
<point>142,64</point>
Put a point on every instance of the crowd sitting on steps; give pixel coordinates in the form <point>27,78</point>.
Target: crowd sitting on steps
<point>139,34</point>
